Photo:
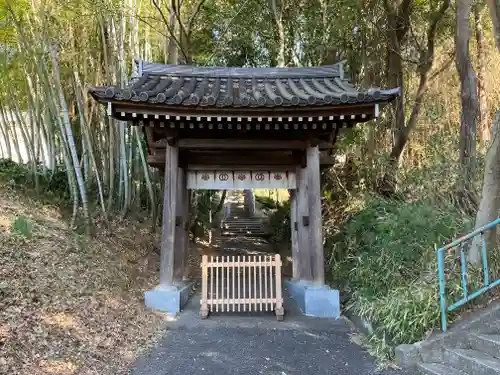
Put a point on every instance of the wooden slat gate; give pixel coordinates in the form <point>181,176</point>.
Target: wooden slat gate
<point>241,283</point>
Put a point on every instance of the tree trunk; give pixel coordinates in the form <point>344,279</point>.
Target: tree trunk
<point>403,130</point>
<point>278,18</point>
<point>468,94</point>
<point>490,201</point>
<point>69,134</point>
<point>9,125</point>
<point>397,28</point>
<point>494,8</point>
<point>249,200</point>
<point>490,196</point>
<point>221,202</point>
<point>483,115</point>
<point>5,133</point>
<point>124,170</point>
<point>86,138</point>
<point>172,53</point>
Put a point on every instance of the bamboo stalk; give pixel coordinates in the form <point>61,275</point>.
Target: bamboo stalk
<point>69,134</point>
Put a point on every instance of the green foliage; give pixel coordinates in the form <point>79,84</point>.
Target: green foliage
<point>388,266</point>
<point>266,203</point>
<point>22,227</point>
<point>53,184</point>
<point>206,205</point>
<point>279,221</point>
<point>13,172</point>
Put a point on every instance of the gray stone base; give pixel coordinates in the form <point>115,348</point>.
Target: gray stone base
<point>169,299</point>
<point>315,300</point>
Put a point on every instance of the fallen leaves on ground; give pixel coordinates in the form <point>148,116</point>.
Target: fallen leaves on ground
<point>71,304</point>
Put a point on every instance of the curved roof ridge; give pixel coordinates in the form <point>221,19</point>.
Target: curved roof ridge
<point>332,70</point>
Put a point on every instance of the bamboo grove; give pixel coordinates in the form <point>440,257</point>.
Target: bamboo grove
<point>54,49</point>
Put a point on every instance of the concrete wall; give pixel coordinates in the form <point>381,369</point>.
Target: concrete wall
<point>15,131</point>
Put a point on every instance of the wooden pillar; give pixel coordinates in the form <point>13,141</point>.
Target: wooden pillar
<point>294,226</point>
<point>315,220</point>
<point>169,210</point>
<point>187,220</point>
<point>303,261</point>
<point>179,248</point>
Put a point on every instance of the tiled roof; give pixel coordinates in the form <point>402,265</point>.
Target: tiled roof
<point>181,85</point>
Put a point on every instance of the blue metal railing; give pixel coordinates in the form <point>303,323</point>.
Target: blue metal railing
<point>466,296</point>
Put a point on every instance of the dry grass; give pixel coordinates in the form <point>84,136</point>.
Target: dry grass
<point>70,304</point>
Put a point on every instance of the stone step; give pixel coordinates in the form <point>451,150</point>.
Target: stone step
<point>242,225</point>
<point>472,361</point>
<point>239,223</point>
<point>243,234</point>
<point>231,219</point>
<point>438,369</point>
<point>243,231</point>
<point>486,343</point>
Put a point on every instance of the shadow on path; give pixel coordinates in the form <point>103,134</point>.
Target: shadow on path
<point>255,343</point>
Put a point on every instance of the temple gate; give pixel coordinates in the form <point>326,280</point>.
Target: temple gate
<point>243,128</point>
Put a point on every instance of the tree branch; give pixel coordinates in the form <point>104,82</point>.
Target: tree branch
<point>196,11</point>
<point>169,29</point>
<point>445,66</point>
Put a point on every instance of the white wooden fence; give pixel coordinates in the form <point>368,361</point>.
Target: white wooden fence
<point>241,283</point>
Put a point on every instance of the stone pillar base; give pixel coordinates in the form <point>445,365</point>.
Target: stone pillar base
<point>315,300</point>
<point>169,299</point>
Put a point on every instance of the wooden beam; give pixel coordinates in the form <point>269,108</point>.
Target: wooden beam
<point>232,143</point>
<point>203,161</point>
<point>171,157</point>
<point>315,221</point>
<point>242,158</point>
<point>229,158</point>
<point>179,249</point>
<point>294,227</point>
<point>245,168</point>
<point>187,219</point>
<point>241,144</point>
<point>303,256</point>
<point>243,112</point>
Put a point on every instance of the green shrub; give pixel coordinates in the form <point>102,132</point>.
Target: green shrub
<point>388,266</point>
<point>53,184</point>
<point>279,223</point>
<point>266,203</point>
<point>13,172</point>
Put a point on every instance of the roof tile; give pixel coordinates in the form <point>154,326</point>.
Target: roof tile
<point>179,85</point>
